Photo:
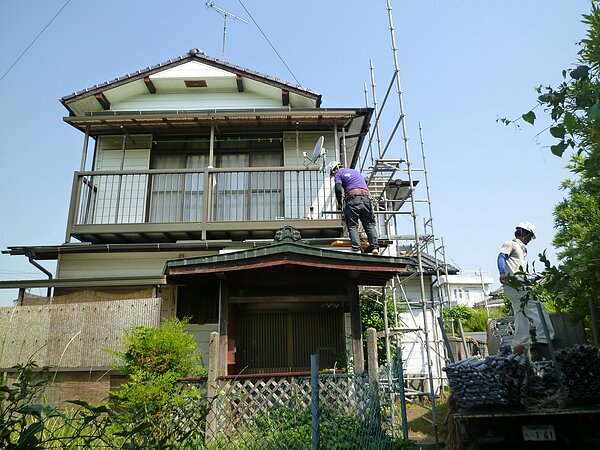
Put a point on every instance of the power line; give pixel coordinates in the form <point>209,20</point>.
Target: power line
<point>265,36</point>
<point>36,38</point>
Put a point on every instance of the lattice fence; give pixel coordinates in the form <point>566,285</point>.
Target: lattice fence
<point>275,413</point>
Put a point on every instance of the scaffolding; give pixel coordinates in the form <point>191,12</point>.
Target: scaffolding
<point>393,188</point>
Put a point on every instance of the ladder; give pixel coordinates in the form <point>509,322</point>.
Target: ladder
<point>382,173</point>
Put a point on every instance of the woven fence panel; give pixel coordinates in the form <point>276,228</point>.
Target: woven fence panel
<point>71,335</point>
<point>24,331</point>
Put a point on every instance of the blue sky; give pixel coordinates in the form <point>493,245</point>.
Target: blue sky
<point>463,64</point>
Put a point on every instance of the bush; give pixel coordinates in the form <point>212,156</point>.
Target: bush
<point>154,359</point>
<point>471,319</point>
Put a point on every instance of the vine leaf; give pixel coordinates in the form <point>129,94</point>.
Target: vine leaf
<point>579,73</point>
<point>594,112</point>
<point>558,131</point>
<point>559,148</point>
<point>529,117</point>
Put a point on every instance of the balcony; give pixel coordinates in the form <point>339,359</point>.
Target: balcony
<point>140,206</point>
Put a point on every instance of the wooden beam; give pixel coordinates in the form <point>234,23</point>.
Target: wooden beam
<point>240,83</point>
<point>103,100</point>
<point>356,327</point>
<point>223,327</point>
<point>285,97</point>
<point>149,85</point>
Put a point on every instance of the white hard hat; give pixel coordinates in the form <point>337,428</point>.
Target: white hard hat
<point>528,226</point>
<point>331,166</point>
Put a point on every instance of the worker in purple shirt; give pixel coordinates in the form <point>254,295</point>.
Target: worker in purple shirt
<point>352,187</point>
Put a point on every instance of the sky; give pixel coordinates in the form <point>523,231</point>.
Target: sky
<point>462,63</point>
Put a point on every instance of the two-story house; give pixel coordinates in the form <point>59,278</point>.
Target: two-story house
<point>469,288</point>
<point>200,195</point>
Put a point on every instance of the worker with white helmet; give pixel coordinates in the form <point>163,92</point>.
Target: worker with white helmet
<point>512,265</point>
<point>350,185</point>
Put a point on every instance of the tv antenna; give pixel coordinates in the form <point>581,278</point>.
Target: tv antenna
<point>225,15</point>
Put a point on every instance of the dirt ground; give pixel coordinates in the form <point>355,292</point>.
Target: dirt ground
<point>421,430</point>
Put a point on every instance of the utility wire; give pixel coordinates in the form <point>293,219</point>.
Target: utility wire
<point>265,36</point>
<point>36,38</point>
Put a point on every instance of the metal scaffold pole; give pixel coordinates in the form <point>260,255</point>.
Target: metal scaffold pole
<point>438,253</point>
<point>395,198</point>
<point>422,300</point>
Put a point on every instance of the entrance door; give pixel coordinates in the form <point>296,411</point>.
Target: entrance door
<point>282,341</point>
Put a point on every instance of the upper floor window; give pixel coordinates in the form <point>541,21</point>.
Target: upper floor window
<point>236,194</point>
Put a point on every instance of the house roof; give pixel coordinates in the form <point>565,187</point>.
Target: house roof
<point>369,270</point>
<point>428,263</point>
<point>155,78</point>
<point>197,92</point>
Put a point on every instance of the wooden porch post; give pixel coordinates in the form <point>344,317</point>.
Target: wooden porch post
<point>223,326</point>
<point>356,328</point>
<point>212,388</point>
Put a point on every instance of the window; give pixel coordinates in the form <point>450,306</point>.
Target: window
<point>199,302</point>
<point>243,195</point>
<point>237,195</point>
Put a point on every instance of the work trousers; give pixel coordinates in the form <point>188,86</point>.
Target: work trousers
<point>357,208</point>
<point>522,316</point>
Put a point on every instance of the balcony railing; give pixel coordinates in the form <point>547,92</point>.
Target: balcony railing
<point>211,195</point>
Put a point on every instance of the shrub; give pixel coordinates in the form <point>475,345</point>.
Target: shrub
<point>155,358</point>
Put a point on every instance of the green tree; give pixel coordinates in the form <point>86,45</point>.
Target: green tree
<point>574,109</point>
<point>472,319</point>
<point>155,359</point>
<point>371,313</point>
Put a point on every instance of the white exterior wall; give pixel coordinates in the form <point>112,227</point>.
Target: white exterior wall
<point>197,101</point>
<point>132,201</point>
<point>466,294</point>
<point>465,289</point>
<point>101,265</point>
<point>320,196</point>
<point>202,335</point>
<point>414,350</point>
<point>221,92</point>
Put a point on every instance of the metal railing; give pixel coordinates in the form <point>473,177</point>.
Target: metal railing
<point>201,195</point>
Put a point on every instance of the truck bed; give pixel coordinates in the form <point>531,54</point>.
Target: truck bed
<point>574,426</point>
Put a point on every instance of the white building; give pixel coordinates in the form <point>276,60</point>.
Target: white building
<point>467,288</point>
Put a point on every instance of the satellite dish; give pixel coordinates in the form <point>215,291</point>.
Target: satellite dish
<point>319,150</point>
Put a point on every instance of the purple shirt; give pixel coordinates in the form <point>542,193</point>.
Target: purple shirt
<point>350,179</point>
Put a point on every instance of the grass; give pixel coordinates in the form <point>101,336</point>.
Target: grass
<point>419,419</point>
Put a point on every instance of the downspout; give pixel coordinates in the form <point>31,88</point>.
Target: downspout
<point>43,269</point>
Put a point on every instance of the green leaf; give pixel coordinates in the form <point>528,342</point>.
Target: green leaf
<point>545,98</point>
<point>559,148</point>
<point>594,112</point>
<point>558,131</point>
<point>569,122</point>
<point>28,438</point>
<point>529,117</point>
<point>580,72</point>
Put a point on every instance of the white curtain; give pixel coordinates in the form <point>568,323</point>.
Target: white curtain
<point>178,197</point>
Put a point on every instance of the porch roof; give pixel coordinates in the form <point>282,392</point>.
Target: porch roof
<point>368,270</point>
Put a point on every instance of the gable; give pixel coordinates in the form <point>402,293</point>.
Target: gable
<point>191,83</point>
<point>193,70</point>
